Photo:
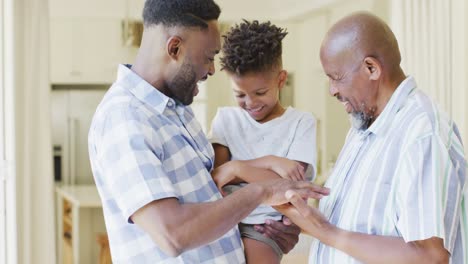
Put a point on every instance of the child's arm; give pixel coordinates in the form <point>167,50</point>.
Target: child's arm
<point>284,167</point>
<point>234,172</point>
<point>265,168</point>
<point>222,155</point>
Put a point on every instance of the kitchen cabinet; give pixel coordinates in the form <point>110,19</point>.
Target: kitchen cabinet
<point>80,221</point>
<point>86,50</point>
<point>86,43</point>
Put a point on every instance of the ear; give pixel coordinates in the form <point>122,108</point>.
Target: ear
<point>282,78</point>
<point>173,45</point>
<point>373,68</point>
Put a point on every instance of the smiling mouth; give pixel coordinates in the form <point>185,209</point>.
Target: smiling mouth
<point>348,107</point>
<point>254,110</point>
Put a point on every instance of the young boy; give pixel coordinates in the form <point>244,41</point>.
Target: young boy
<point>260,132</point>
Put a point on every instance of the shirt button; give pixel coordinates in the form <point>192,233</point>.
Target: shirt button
<point>170,104</point>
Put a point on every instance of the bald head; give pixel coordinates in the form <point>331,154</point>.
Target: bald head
<point>362,35</point>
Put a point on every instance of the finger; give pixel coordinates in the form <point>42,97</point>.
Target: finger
<point>295,176</point>
<point>306,193</point>
<point>285,241</point>
<point>259,228</point>
<point>320,189</point>
<point>300,176</point>
<point>287,221</point>
<point>274,233</point>
<point>281,227</point>
<point>300,172</point>
<point>280,241</point>
<point>313,187</point>
<point>296,200</point>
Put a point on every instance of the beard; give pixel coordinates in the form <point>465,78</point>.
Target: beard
<point>361,120</point>
<point>184,83</point>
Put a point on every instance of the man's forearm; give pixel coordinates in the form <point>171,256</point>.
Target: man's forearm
<point>206,222</point>
<point>181,227</point>
<point>364,247</point>
<point>375,249</point>
<point>384,249</point>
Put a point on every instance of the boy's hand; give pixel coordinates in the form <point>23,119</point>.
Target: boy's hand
<point>284,233</point>
<point>288,169</point>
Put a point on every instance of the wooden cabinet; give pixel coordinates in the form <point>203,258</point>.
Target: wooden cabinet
<point>80,222</point>
<point>66,234</point>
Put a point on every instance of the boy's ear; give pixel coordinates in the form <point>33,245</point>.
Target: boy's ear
<point>282,78</point>
<point>173,47</point>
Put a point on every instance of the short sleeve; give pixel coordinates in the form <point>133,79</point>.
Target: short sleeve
<point>429,192</point>
<point>303,146</point>
<point>217,133</point>
<point>129,154</point>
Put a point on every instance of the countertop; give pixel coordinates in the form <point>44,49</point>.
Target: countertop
<point>80,195</point>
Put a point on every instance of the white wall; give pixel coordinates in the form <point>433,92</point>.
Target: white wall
<point>432,38</point>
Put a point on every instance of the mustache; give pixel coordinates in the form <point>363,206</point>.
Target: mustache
<point>340,98</point>
<point>204,78</point>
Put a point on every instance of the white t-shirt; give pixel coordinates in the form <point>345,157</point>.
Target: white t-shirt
<point>292,136</point>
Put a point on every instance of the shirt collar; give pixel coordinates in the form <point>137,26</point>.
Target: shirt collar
<point>144,91</point>
<point>396,102</point>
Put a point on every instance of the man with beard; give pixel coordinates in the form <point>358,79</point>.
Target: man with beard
<point>152,162</point>
<point>398,187</point>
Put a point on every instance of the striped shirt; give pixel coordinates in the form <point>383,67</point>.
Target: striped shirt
<point>144,146</point>
<point>404,176</point>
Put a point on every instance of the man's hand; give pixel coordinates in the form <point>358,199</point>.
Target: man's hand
<point>276,190</point>
<point>284,233</point>
<point>310,219</point>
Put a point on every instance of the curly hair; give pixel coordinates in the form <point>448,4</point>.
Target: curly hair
<point>252,47</point>
<point>185,13</point>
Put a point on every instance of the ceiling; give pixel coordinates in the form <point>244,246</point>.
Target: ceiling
<point>278,10</point>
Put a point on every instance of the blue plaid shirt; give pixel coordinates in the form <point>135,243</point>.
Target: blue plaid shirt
<point>144,146</point>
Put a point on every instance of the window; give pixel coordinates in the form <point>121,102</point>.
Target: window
<point>2,148</point>
<point>8,249</point>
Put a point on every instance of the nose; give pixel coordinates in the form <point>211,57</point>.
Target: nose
<point>212,69</point>
<point>332,90</point>
<point>249,101</point>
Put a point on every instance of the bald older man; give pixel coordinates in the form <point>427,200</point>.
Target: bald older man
<point>398,187</point>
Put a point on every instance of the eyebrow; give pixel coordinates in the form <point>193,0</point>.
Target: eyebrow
<point>256,91</point>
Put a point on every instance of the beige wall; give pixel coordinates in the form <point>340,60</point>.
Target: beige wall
<point>459,68</point>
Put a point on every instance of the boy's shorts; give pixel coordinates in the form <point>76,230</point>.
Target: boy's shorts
<point>249,231</point>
